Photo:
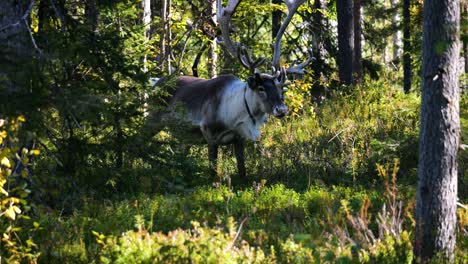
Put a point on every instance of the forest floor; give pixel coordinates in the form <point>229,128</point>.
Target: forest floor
<point>332,184</point>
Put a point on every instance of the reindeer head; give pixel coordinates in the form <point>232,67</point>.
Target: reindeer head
<point>267,87</point>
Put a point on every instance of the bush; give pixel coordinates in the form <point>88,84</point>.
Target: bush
<point>196,245</point>
<point>16,227</point>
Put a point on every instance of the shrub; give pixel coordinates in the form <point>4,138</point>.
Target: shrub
<point>16,227</point>
<point>196,245</point>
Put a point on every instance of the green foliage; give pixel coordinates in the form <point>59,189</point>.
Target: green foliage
<point>272,213</point>
<point>16,227</point>
<point>196,245</point>
<point>342,139</point>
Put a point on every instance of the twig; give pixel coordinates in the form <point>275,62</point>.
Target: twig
<point>187,35</point>
<point>75,119</point>
<point>462,205</point>
<point>32,37</point>
<point>259,27</point>
<point>341,131</point>
<point>238,232</point>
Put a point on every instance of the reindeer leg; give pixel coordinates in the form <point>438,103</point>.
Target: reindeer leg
<point>239,151</point>
<point>213,156</point>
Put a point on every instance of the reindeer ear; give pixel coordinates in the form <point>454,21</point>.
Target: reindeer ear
<point>251,82</point>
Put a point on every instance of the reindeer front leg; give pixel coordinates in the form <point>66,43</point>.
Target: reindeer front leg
<point>239,151</point>
<point>213,157</point>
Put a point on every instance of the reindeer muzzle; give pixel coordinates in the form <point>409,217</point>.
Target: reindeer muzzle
<point>280,111</point>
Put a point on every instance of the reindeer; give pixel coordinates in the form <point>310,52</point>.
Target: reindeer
<point>225,109</point>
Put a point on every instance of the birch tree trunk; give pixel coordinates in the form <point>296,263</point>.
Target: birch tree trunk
<point>396,40</point>
<point>212,55</point>
<point>146,20</point>
<point>440,133</point>
<point>163,34</point>
<point>169,36</point>
<point>465,33</point>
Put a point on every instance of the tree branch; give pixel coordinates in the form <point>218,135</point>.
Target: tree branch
<point>24,17</point>
<point>32,37</point>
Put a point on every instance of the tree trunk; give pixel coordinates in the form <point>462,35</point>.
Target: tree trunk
<point>16,47</point>
<point>407,68</point>
<point>119,140</point>
<point>275,20</point>
<point>357,60</point>
<point>163,34</point>
<point>396,40</point>
<point>169,36</point>
<point>318,67</point>
<point>440,131</point>
<point>465,34</point>
<point>212,55</point>
<point>344,9</point>
<point>92,14</point>
<point>146,20</point>
<point>465,54</point>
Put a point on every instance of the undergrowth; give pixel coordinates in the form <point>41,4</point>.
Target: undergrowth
<point>260,224</point>
<point>332,184</point>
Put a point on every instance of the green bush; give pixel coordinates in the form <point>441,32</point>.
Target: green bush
<point>196,245</point>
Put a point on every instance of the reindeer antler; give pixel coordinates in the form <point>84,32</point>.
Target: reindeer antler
<point>239,51</point>
<point>236,50</point>
<point>299,68</point>
<point>292,5</point>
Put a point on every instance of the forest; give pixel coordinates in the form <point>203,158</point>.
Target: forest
<point>233,131</point>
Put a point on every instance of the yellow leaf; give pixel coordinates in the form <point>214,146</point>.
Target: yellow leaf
<point>5,162</point>
<point>21,118</point>
<point>17,209</point>
<point>1,140</point>
<point>3,191</point>
<point>10,213</point>
<point>3,134</point>
<point>35,152</point>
